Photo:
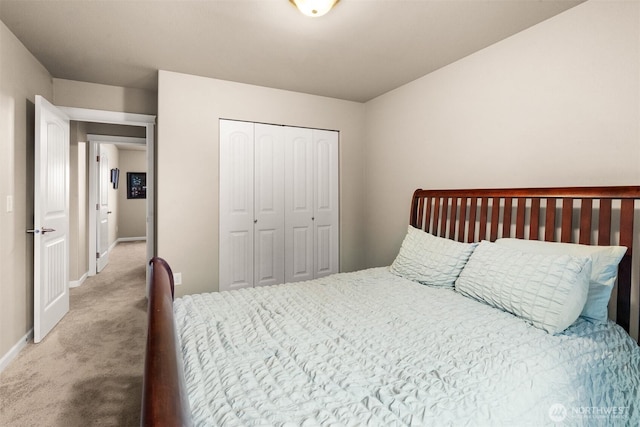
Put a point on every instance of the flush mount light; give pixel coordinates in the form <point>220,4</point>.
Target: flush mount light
<point>314,8</point>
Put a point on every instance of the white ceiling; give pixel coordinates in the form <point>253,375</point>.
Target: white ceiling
<point>361,49</point>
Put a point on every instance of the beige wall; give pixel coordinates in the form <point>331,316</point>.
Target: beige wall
<point>189,108</point>
<point>71,93</point>
<point>21,78</point>
<point>78,208</point>
<point>555,105</point>
<point>132,213</point>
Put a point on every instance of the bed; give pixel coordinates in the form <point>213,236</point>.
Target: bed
<point>482,319</point>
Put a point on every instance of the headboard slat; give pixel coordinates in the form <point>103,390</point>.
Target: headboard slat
<point>436,215</point>
<point>495,215</point>
<point>427,220</point>
<point>506,221</point>
<point>463,217</point>
<point>471,237</point>
<point>604,223</point>
<point>420,213</point>
<point>626,223</point>
<point>567,220</point>
<point>586,207</point>
<point>484,207</point>
<point>520,217</point>
<point>452,217</point>
<point>443,217</point>
<point>550,222</point>
<point>534,225</point>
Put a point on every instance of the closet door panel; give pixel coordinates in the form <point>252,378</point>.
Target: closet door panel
<point>298,204</point>
<point>324,264</point>
<point>240,268</point>
<point>298,259</point>
<point>267,259</point>
<point>326,199</point>
<point>269,204</point>
<point>236,205</point>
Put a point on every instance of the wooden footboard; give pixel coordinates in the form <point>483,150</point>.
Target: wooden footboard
<point>164,400</point>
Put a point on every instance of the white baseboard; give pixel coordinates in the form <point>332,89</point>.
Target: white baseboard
<point>131,239</point>
<point>15,350</point>
<point>126,239</point>
<point>76,283</point>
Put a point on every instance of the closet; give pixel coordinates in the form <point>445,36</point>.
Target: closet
<point>278,204</point>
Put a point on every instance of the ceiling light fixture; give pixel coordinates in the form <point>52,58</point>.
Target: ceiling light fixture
<point>314,8</point>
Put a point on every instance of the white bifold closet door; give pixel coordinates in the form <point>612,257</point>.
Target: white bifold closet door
<point>311,203</point>
<point>269,217</point>
<point>278,204</point>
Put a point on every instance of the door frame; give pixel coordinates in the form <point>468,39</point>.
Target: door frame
<point>130,119</point>
<point>94,142</point>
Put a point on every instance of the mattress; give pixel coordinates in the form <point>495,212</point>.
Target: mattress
<point>372,348</point>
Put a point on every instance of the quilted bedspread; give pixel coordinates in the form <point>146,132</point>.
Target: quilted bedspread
<point>371,348</point>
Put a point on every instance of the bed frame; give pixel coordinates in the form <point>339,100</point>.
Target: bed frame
<point>586,215</point>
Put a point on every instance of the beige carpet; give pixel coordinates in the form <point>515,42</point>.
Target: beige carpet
<point>88,370</point>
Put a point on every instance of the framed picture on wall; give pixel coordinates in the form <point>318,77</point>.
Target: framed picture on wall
<point>136,185</point>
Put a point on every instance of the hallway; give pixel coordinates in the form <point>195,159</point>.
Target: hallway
<point>88,370</point>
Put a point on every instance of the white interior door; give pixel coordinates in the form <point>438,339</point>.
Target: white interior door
<point>51,218</point>
<point>102,220</point>
<point>236,205</point>
<point>299,204</point>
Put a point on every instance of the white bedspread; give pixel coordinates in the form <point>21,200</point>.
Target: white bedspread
<point>371,348</point>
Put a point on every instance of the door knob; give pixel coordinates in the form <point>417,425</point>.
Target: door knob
<point>42,230</point>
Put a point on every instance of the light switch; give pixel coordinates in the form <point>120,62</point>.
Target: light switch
<point>9,204</point>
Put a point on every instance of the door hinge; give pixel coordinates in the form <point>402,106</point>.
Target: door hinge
<point>97,206</point>
<point>97,158</point>
<point>97,255</point>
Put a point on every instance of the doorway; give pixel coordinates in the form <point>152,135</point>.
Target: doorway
<point>115,215</point>
<point>98,119</point>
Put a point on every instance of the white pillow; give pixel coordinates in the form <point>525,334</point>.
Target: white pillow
<point>547,290</point>
<point>429,259</point>
<point>604,269</point>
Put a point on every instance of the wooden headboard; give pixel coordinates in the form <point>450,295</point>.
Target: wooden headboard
<point>585,215</point>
